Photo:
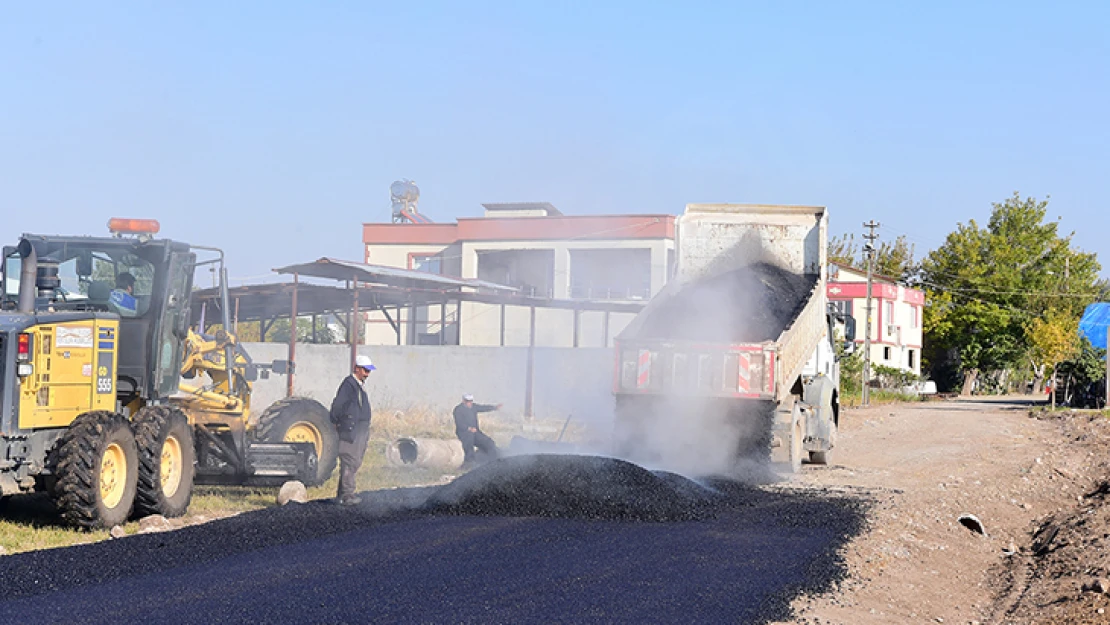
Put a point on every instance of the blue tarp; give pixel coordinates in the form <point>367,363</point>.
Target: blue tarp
<point>1094,322</point>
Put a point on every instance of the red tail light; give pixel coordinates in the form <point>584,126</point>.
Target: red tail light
<point>23,351</point>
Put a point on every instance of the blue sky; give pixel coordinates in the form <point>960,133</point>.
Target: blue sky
<point>273,129</point>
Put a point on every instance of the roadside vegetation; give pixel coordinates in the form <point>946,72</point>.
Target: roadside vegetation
<point>1003,303</point>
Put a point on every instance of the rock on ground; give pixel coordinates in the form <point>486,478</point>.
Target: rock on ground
<point>154,523</point>
<point>292,491</point>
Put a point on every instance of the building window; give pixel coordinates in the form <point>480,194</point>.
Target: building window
<point>888,313</point>
<point>911,357</point>
<point>531,271</point>
<point>428,264</point>
<point>916,316</point>
<point>843,307</point>
<point>610,274</point>
<point>886,354</point>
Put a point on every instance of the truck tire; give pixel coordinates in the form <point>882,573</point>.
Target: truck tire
<point>789,431</point>
<point>97,469</point>
<point>822,457</point>
<point>302,420</point>
<point>167,461</point>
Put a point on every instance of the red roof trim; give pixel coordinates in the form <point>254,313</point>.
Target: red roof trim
<point>557,228</point>
<point>419,234</point>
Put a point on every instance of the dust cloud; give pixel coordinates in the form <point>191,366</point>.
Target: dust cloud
<point>681,429</point>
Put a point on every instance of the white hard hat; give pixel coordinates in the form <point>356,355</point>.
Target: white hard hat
<point>468,397</point>
<point>364,362</point>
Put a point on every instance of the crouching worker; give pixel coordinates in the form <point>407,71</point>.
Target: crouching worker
<point>471,436</point>
<point>350,412</point>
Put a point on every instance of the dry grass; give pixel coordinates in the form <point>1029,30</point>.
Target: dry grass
<point>879,397</point>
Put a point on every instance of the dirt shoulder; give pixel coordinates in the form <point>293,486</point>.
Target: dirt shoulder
<point>1018,474</point>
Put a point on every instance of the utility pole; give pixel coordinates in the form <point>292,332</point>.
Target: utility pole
<point>869,249</point>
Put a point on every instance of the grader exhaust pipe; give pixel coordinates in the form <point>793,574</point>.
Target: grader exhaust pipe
<point>27,275</point>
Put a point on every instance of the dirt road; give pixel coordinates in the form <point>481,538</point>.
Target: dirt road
<point>930,463</point>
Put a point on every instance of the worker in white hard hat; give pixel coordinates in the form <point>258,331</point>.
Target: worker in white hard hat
<point>471,436</point>
<point>350,412</point>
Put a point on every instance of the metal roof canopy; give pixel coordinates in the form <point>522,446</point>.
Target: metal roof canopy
<point>375,287</point>
<point>267,301</point>
<point>380,274</point>
<point>263,302</point>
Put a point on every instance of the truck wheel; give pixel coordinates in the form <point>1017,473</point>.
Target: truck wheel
<point>167,461</point>
<point>789,432</point>
<point>302,420</point>
<point>97,469</point>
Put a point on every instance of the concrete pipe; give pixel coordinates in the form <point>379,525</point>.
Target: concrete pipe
<point>425,452</point>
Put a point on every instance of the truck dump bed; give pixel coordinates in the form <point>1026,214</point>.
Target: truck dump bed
<point>742,314</point>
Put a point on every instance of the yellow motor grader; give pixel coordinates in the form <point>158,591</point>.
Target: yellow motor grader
<point>112,403</point>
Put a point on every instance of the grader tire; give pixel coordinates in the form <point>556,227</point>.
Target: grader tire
<point>300,419</point>
<point>167,461</point>
<point>96,464</point>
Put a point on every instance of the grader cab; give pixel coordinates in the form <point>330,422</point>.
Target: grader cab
<point>111,402</point>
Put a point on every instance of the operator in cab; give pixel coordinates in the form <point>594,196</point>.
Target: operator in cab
<point>122,298</point>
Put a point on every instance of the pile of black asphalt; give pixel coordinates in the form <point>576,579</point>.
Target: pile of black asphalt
<point>524,539</point>
<point>752,304</point>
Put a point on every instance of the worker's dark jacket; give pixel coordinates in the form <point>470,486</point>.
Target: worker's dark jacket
<point>467,417</point>
<point>350,408</point>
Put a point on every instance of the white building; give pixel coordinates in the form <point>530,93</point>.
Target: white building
<point>533,247</point>
<point>896,330</point>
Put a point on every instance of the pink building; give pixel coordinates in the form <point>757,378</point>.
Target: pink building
<point>896,331</point>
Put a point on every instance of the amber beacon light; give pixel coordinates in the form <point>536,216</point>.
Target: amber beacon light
<point>117,225</point>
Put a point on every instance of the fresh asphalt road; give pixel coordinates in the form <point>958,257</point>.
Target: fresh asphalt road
<point>378,563</point>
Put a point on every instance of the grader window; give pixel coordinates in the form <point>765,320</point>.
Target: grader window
<point>120,283</point>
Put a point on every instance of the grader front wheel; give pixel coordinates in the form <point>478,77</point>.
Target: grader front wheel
<point>96,465</point>
<point>302,420</point>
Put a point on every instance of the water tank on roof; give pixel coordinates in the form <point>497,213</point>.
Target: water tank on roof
<point>404,195</point>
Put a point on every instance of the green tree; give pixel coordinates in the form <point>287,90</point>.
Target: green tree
<point>895,259</point>
<point>842,249</point>
<point>892,259</point>
<point>1084,376</point>
<point>279,332</point>
<point>1053,338</point>
<point>985,284</point>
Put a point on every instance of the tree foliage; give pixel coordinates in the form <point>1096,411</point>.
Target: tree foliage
<point>1084,376</point>
<point>279,332</point>
<point>892,259</point>
<point>986,284</point>
<point>1053,338</point>
<point>843,249</point>
<point>895,259</point>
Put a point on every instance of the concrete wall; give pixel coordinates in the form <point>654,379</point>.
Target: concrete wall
<point>567,381</point>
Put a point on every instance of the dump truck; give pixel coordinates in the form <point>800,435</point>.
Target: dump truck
<point>112,402</point>
<point>735,358</point>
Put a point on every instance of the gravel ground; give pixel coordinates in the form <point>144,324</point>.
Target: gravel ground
<point>509,542</point>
